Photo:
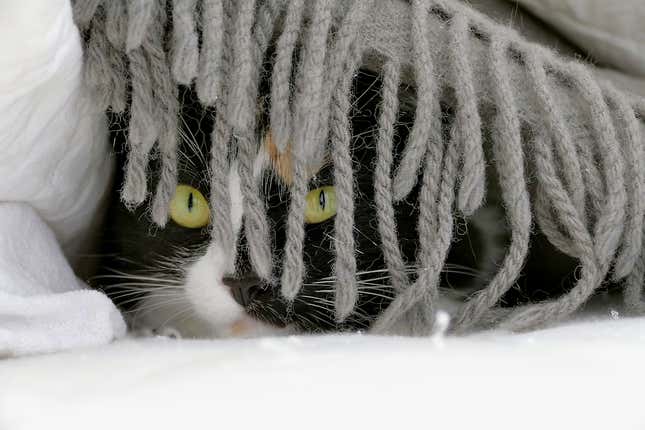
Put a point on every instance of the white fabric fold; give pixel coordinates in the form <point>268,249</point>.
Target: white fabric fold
<point>55,172</point>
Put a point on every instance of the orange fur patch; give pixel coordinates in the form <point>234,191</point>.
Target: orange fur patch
<point>283,162</point>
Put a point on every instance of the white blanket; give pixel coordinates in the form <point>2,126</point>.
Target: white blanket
<point>55,169</point>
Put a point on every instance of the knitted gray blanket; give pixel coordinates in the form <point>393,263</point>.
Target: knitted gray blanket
<point>581,138</point>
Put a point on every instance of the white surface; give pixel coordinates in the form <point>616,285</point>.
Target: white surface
<point>585,376</point>
<point>611,31</point>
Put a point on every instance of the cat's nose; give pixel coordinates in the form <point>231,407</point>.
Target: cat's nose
<point>243,288</point>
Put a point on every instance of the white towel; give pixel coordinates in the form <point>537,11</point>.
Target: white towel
<point>54,175</point>
<point>43,306</point>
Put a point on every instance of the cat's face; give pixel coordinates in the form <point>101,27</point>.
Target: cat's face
<point>179,277</point>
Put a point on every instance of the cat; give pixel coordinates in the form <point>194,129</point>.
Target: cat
<point>177,278</point>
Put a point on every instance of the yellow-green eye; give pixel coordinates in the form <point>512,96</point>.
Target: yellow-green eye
<point>321,205</point>
<point>189,208</point>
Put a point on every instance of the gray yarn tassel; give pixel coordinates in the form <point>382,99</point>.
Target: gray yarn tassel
<point>403,306</point>
<point>184,51</point>
<point>211,70</point>
<point>634,286</point>
<point>307,116</point>
<point>166,113</point>
<point>143,129</point>
<point>509,160</point>
<point>281,76</point>
<point>240,105</point>
<point>104,68</point>
<point>635,158</point>
<point>555,121</point>
<point>535,315</point>
<point>473,181</point>
<point>382,177</point>
<point>346,34</point>
<point>255,221</point>
<point>220,199</point>
<point>595,255</point>
<point>341,138</point>
<point>425,124</point>
<point>610,224</point>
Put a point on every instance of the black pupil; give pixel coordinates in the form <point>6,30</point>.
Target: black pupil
<point>321,199</point>
<point>190,202</point>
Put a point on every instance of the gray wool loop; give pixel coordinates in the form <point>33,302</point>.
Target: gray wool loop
<point>425,123</point>
<point>633,288</point>
<point>553,195</point>
<point>554,119</point>
<point>210,69</point>
<point>473,182</point>
<point>590,273</point>
<point>508,154</point>
<point>405,302</point>
<point>610,223</point>
<point>281,76</point>
<point>634,154</point>
<point>383,198</point>
<point>184,51</point>
<point>585,148</point>
<point>346,294</point>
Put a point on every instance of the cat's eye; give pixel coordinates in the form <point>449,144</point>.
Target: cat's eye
<point>189,208</point>
<point>321,205</point>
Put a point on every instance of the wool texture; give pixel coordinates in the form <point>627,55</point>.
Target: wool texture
<point>580,140</point>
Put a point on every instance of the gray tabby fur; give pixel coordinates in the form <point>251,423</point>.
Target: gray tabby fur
<point>582,138</point>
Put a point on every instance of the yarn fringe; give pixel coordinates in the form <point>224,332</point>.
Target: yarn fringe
<point>590,201</point>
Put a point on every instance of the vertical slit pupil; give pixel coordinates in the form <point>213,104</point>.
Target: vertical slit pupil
<point>321,199</point>
<point>190,202</point>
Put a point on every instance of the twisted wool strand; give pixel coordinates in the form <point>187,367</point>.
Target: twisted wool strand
<point>307,115</point>
<point>509,156</point>
<point>281,76</point>
<point>382,176</point>
<point>588,163</point>
<point>255,220</point>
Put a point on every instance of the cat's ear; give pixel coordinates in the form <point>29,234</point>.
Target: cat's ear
<point>282,162</point>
